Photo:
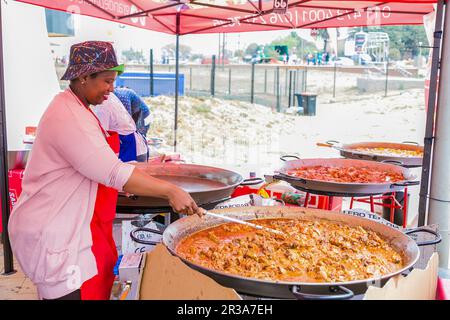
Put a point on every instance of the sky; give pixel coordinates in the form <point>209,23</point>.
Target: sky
<point>124,37</point>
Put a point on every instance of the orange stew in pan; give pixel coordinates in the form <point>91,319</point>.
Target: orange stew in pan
<point>392,152</point>
<point>311,251</point>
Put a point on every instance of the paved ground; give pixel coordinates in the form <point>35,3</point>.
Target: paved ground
<point>16,286</point>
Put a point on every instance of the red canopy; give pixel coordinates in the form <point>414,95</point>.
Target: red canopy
<point>224,16</point>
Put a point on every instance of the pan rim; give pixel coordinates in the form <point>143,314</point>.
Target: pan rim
<point>239,177</point>
<point>398,234</point>
<point>406,173</point>
<point>348,147</point>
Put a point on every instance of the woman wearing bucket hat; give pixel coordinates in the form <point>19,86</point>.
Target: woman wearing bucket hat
<point>61,226</point>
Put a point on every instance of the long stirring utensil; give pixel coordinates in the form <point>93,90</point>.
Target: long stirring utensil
<point>256,226</point>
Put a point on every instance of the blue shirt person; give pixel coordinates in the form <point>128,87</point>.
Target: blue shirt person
<point>136,107</point>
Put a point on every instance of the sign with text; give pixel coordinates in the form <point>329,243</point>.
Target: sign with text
<point>280,6</point>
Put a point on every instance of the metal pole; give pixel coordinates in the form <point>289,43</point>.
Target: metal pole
<point>387,78</point>
<point>306,79</point>
<point>252,88</point>
<point>190,78</point>
<point>294,86</point>
<point>177,71</point>
<point>151,73</point>
<point>275,81</point>
<point>278,89</point>
<point>265,80</point>
<point>220,46</point>
<point>286,81</point>
<point>8,259</point>
<point>223,51</point>
<point>229,81</point>
<point>439,207</point>
<point>429,130</point>
<point>334,81</point>
<point>290,89</point>
<point>213,75</point>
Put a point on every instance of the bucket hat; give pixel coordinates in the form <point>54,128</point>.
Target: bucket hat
<point>91,57</point>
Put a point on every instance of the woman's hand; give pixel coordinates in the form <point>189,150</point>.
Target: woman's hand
<point>182,202</point>
<point>142,184</point>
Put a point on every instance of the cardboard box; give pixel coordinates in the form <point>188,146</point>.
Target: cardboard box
<point>420,284</point>
<point>166,277</point>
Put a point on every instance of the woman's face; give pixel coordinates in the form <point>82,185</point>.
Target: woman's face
<point>97,89</point>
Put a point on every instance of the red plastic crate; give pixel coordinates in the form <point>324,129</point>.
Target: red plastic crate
<point>15,178</point>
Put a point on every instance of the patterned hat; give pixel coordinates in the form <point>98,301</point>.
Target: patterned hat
<point>91,57</point>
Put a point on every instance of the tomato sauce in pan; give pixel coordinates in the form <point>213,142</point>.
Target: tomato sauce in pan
<point>347,174</point>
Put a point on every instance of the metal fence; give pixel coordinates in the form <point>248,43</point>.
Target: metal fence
<point>276,86</point>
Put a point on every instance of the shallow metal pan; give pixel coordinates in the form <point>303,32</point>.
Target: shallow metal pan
<point>184,227</point>
<point>205,184</point>
<point>349,151</point>
<point>340,188</point>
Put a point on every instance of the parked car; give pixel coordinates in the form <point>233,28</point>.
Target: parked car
<point>342,61</point>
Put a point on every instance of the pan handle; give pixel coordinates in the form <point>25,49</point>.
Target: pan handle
<point>426,230</point>
<point>346,294</point>
<point>410,142</point>
<point>279,201</point>
<point>405,184</point>
<point>252,181</point>
<point>396,162</point>
<point>135,239</point>
<point>283,158</point>
<point>287,178</point>
<point>332,142</point>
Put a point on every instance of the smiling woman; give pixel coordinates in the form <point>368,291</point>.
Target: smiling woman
<point>61,226</point>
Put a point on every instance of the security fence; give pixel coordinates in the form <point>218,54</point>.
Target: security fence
<point>278,86</point>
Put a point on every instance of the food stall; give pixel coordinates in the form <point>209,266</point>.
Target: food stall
<point>220,184</point>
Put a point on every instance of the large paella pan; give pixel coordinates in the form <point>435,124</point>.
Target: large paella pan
<point>263,284</point>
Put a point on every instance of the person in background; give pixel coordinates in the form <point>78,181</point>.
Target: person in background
<point>136,107</point>
<point>114,117</point>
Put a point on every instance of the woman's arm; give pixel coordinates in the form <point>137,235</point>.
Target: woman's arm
<point>140,183</point>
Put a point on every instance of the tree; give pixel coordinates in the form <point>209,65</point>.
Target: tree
<point>185,51</point>
<point>405,38</point>
<point>197,56</point>
<point>252,49</point>
<point>301,46</point>
<point>394,54</point>
<point>239,53</point>
<point>132,55</point>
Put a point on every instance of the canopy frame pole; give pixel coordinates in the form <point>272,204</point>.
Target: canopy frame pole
<point>146,12</point>
<point>430,122</point>
<point>151,74</point>
<point>8,259</point>
<point>439,204</point>
<point>177,75</point>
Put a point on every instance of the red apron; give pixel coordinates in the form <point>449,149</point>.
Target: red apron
<point>103,246</point>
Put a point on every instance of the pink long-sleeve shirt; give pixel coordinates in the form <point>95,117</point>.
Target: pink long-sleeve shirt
<point>49,227</point>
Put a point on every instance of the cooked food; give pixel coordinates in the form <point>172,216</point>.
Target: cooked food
<point>347,174</point>
<point>392,152</point>
<point>311,251</point>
